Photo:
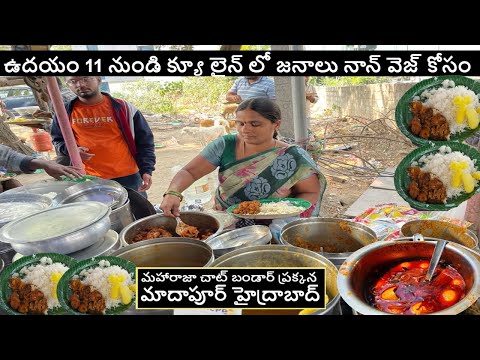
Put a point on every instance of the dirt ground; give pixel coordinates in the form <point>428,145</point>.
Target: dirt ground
<point>354,151</point>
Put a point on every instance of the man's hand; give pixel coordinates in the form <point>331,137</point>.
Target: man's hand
<point>84,154</point>
<point>233,98</point>
<point>147,182</point>
<point>56,170</point>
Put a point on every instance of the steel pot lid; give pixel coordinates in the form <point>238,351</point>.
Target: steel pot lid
<point>108,192</point>
<point>45,187</point>
<point>15,206</point>
<point>250,235</point>
<point>53,222</point>
<point>99,248</point>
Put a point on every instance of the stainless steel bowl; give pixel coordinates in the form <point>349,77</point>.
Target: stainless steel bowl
<point>174,252</point>
<point>333,238</point>
<point>108,192</point>
<point>195,218</point>
<point>285,256</point>
<point>27,235</point>
<point>121,217</point>
<point>358,270</point>
<point>34,202</point>
<point>42,188</point>
<point>238,238</point>
<point>441,230</point>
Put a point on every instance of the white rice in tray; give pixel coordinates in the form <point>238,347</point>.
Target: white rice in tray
<point>439,165</point>
<point>40,276</point>
<point>98,278</point>
<point>281,207</point>
<point>441,99</point>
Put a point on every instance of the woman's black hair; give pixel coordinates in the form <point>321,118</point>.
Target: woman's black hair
<point>266,107</point>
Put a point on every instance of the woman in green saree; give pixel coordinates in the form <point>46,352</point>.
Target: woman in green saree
<point>253,164</point>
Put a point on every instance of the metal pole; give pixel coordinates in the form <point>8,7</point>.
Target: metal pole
<point>298,101</point>
<point>64,123</point>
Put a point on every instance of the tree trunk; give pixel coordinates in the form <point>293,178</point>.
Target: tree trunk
<point>8,138</point>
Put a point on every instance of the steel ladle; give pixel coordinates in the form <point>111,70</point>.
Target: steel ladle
<point>437,254</point>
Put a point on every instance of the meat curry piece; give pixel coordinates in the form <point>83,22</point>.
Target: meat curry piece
<point>193,232</point>
<point>152,233</point>
<point>425,187</point>
<point>25,298</point>
<point>428,124</point>
<point>86,299</point>
<point>248,208</point>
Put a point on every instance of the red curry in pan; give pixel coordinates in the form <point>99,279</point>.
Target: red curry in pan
<point>403,289</point>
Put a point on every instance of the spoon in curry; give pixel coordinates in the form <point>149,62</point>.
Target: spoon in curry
<point>437,254</point>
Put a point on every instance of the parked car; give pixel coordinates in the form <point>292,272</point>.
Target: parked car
<point>22,96</point>
<point>17,96</point>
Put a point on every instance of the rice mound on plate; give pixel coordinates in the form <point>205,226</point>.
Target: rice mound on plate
<point>442,98</point>
<point>439,165</point>
<point>281,207</point>
<point>40,276</point>
<point>98,278</point>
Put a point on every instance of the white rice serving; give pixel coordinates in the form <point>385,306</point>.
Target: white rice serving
<point>40,276</point>
<point>98,278</point>
<point>439,165</point>
<point>441,99</point>
<point>280,208</point>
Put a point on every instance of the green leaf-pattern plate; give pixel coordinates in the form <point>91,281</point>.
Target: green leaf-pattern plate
<point>64,291</point>
<point>304,204</point>
<point>403,115</point>
<point>16,266</point>
<point>80,180</point>
<point>402,180</point>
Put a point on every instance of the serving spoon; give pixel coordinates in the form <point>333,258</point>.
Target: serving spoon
<point>437,254</point>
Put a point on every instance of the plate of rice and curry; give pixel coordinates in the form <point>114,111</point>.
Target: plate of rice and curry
<point>28,286</point>
<point>440,177</point>
<point>439,109</point>
<point>267,209</point>
<point>103,285</point>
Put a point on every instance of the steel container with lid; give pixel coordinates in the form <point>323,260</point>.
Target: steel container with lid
<point>199,219</point>
<point>441,230</point>
<point>63,229</point>
<point>285,256</point>
<point>333,238</point>
<point>364,266</point>
<point>165,252</point>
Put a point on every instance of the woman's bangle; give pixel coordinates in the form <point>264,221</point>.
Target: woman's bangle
<point>174,193</point>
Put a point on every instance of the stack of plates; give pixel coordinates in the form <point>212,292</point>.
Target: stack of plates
<point>108,192</point>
